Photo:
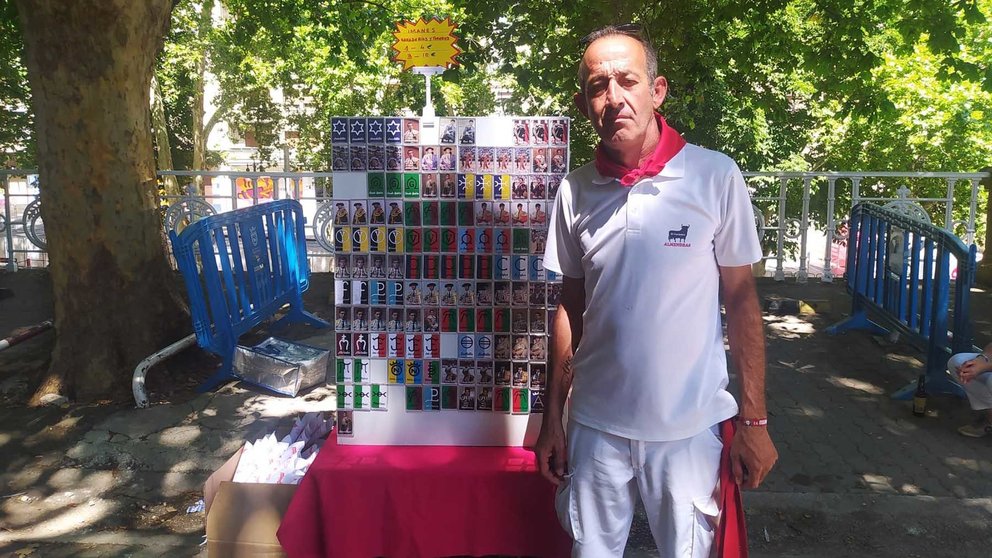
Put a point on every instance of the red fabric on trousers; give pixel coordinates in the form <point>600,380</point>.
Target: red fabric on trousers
<point>422,501</point>
<point>731,536</point>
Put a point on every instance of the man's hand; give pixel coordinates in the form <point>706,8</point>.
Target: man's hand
<point>973,368</point>
<point>551,450</point>
<point>752,450</point>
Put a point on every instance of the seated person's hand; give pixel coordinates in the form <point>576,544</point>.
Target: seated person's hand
<point>972,368</point>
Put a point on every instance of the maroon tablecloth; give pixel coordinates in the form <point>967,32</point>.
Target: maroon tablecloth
<point>422,501</point>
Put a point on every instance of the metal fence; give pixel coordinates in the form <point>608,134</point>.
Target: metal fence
<point>801,216</point>
<point>803,226</point>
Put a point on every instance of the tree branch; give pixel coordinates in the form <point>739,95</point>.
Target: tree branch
<point>222,109</point>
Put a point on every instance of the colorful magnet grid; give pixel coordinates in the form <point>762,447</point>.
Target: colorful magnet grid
<point>440,284</point>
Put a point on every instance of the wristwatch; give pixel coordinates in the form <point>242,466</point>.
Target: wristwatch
<point>984,357</point>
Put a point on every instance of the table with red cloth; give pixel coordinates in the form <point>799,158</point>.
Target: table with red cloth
<point>422,501</point>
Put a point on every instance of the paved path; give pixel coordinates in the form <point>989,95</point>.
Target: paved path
<point>858,475</point>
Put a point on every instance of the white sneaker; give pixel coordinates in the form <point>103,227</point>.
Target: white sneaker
<point>976,430</point>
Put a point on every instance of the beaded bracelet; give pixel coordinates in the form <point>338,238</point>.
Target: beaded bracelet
<point>755,422</point>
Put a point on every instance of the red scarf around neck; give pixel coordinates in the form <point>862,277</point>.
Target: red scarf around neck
<point>668,146</point>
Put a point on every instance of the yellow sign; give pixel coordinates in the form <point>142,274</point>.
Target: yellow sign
<point>426,43</point>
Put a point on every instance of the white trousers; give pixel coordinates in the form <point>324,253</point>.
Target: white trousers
<point>677,481</point>
<point>979,389</point>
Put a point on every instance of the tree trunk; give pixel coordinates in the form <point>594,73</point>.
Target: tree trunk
<point>199,142</point>
<point>115,299</point>
<point>204,24</point>
<point>984,272</point>
<point>163,155</point>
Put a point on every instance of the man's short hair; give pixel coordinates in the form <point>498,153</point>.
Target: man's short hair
<point>632,30</point>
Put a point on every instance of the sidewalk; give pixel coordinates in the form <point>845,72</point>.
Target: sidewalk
<point>858,474</point>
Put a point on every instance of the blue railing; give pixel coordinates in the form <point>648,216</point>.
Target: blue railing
<point>900,275</point>
<point>240,268</point>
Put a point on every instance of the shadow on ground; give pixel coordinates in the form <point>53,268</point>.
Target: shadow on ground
<point>858,474</point>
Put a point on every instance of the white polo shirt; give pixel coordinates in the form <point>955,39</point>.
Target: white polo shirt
<point>651,364</point>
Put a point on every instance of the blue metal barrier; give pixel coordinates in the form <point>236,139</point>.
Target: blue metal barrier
<point>240,268</point>
<point>899,275</point>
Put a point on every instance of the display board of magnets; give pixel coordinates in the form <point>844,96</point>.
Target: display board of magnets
<point>443,305</point>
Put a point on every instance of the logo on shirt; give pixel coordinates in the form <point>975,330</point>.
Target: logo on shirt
<point>676,237</point>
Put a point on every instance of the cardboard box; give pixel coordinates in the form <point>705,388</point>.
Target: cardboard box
<point>242,518</point>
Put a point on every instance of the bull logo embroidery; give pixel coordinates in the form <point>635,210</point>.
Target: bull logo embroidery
<point>677,237</point>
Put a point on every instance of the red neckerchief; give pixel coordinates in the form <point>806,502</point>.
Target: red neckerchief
<point>668,146</point>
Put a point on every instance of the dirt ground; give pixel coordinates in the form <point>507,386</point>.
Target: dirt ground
<point>819,502</point>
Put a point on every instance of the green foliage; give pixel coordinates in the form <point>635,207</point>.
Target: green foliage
<point>801,85</point>
<point>777,84</point>
<point>17,146</point>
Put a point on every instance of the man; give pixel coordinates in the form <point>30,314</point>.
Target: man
<point>503,374</point>
<point>376,271</point>
<point>359,218</point>
<point>377,323</point>
<point>645,360</point>
<point>447,162</point>
<point>447,186</point>
<point>538,238</point>
<point>519,189</point>
<point>468,160</point>
<point>502,293</point>
<point>430,320</point>
<point>468,134</point>
<point>429,161</point>
<point>360,272</point>
<point>412,160</point>
<point>558,160</point>
<point>538,348</point>
<point>468,373</point>
<point>485,216</point>
<point>520,376</point>
<point>485,372</point>
<point>540,161</point>
<point>520,132</point>
<point>395,214</point>
<point>520,217</point>
<point>412,134</point>
<point>539,216</point>
<point>394,324</point>
<point>558,131</point>
<point>537,190</point>
<point>485,398</point>
<point>378,216</point>
<point>541,131</point>
<point>431,296</point>
<point>467,296</point>
<point>974,372</point>
<point>449,297</point>
<point>341,323</point>
<point>360,323</point>
<point>394,269</point>
<point>414,296</point>
<point>502,216</point>
<point>448,136</point>
<point>486,159</point>
<point>466,402</point>
<point>412,321</point>
<point>503,159</point>
<point>450,374</point>
<point>430,186</point>
<point>484,294</point>
<point>341,217</point>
